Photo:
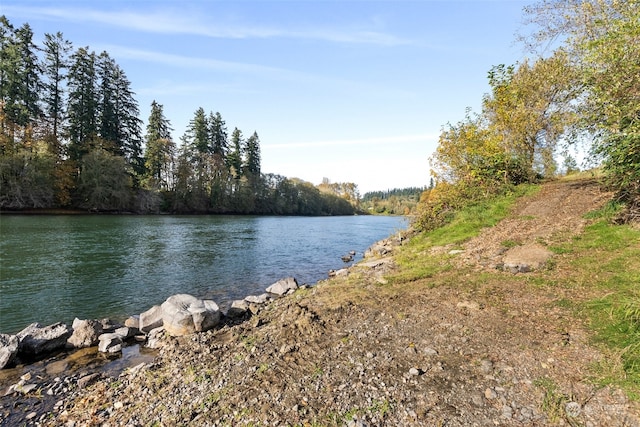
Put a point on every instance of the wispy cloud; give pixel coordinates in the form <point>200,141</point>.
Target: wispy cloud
<point>399,139</point>
<point>122,52</point>
<point>180,22</point>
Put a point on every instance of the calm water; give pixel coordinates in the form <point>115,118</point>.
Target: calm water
<point>55,268</point>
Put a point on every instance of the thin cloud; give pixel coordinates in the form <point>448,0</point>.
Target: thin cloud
<point>363,141</point>
<point>192,62</point>
<point>176,23</point>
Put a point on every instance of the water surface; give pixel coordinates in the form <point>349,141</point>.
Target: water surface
<point>55,268</point>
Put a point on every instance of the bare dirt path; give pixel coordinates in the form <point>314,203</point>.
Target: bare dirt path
<point>557,210</point>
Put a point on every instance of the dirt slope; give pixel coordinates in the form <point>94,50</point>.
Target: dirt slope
<point>480,349</point>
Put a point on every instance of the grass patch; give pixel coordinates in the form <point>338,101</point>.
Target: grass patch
<point>604,261</point>
<point>416,258</point>
<point>469,221</point>
<point>554,401</point>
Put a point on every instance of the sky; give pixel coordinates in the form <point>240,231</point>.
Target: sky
<point>353,91</point>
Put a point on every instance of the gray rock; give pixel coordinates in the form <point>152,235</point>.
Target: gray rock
<point>85,333</point>
<point>125,332</point>
<point>151,319</point>
<point>184,314</point>
<point>257,299</point>
<point>486,366</point>
<point>283,286</point>
<point>490,393</point>
<point>110,343</point>
<point>132,322</point>
<point>36,340</point>
<point>339,273</point>
<point>87,380</point>
<point>8,349</point>
<point>238,309</point>
<point>572,409</point>
<point>155,338</point>
<point>109,325</point>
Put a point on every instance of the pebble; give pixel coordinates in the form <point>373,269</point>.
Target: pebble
<point>486,366</point>
<point>476,399</point>
<point>507,411</point>
<point>414,371</point>
<point>572,409</point>
<point>490,393</point>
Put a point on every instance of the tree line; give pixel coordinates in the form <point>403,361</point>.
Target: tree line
<point>71,137</point>
<point>397,201</point>
<point>585,91</point>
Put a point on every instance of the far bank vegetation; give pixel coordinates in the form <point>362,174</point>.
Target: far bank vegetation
<point>71,138</point>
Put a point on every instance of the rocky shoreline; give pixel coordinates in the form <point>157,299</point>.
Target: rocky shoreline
<point>40,347</point>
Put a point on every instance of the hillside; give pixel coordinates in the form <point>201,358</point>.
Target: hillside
<point>427,335</point>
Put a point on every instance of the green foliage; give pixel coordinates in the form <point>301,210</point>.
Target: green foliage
<point>104,183</point>
<point>399,201</point>
<point>26,180</point>
<point>603,41</point>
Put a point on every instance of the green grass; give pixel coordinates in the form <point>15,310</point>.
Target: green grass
<point>472,219</point>
<point>553,401</point>
<point>605,262</point>
<point>465,224</point>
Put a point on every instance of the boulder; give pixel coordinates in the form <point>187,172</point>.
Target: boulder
<point>523,259</point>
<point>238,309</point>
<point>110,343</point>
<point>36,340</point>
<point>184,314</point>
<point>109,325</point>
<point>283,286</point>
<point>132,322</point>
<point>257,299</point>
<point>150,319</point>
<point>85,333</point>
<point>126,332</point>
<point>8,349</point>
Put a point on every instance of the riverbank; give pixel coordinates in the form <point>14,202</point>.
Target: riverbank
<point>419,335</point>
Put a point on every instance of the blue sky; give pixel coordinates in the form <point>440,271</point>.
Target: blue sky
<point>354,91</point>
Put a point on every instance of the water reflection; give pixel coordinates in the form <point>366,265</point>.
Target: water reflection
<point>54,268</point>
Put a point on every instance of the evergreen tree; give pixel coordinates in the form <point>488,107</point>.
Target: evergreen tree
<point>251,167</point>
<point>56,62</point>
<point>29,77</point>
<point>234,159</point>
<point>83,102</point>
<point>118,112</point>
<point>19,82</point>
<point>160,149</point>
<point>218,136</point>
<point>129,125</point>
<point>8,80</point>
<point>197,134</point>
<point>107,114</point>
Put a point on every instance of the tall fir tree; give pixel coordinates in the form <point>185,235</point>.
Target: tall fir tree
<point>234,159</point>
<point>218,135</point>
<point>55,66</point>
<point>82,105</point>
<point>20,83</point>
<point>251,167</point>
<point>197,134</point>
<point>160,149</point>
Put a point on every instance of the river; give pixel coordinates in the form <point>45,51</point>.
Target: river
<point>54,268</point>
